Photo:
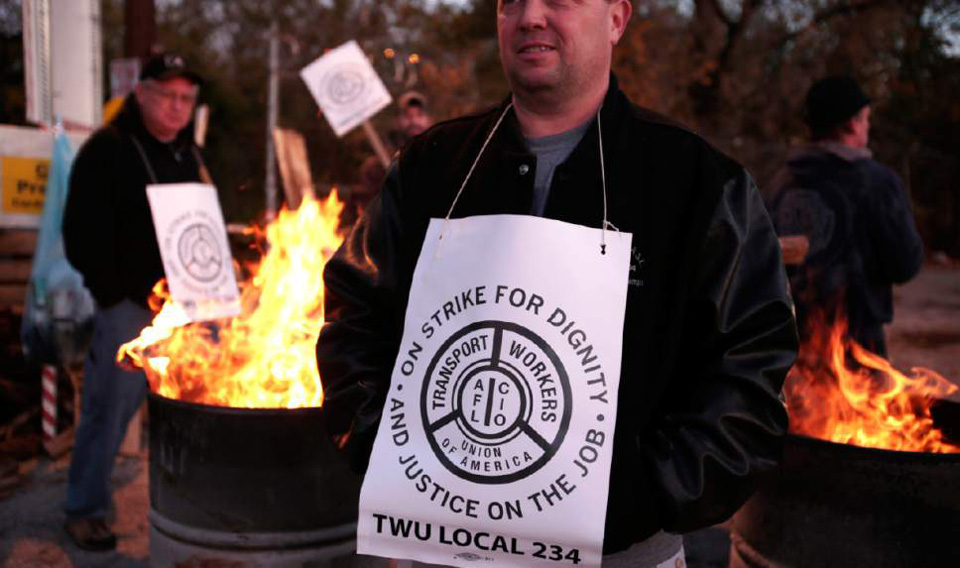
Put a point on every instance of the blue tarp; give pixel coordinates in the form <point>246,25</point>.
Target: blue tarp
<point>58,313</point>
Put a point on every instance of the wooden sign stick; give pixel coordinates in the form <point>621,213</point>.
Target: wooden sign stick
<point>377,144</point>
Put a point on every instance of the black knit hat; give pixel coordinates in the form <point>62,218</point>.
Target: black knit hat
<point>165,66</point>
<point>833,101</point>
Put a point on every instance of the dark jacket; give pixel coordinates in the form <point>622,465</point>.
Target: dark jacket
<point>108,230</point>
<point>863,238</point>
<point>709,331</point>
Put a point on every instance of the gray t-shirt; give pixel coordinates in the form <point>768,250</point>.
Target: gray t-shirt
<point>551,151</point>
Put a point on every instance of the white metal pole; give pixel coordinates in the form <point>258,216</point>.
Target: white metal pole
<point>270,184</point>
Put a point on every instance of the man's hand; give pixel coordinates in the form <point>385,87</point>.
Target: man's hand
<point>794,249</point>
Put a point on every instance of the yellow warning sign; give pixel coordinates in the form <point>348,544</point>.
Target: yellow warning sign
<point>24,181</point>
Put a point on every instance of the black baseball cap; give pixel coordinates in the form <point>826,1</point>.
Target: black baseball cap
<point>412,99</point>
<point>833,101</point>
<point>163,66</point>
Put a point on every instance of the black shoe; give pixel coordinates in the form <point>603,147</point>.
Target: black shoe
<point>91,534</point>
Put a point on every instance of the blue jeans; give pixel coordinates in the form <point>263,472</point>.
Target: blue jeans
<point>111,396</point>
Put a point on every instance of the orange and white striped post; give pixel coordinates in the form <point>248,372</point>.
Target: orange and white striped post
<point>48,402</point>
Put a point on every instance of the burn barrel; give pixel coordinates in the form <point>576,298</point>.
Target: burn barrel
<point>249,486</point>
<point>840,505</point>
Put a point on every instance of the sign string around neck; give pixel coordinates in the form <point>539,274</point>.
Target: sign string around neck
<point>603,181</point>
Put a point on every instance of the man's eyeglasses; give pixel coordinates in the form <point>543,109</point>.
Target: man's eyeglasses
<point>170,97</point>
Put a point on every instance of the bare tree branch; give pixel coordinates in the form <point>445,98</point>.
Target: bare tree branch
<point>736,32</point>
<point>836,11</point>
<point>709,93</point>
<point>718,8</point>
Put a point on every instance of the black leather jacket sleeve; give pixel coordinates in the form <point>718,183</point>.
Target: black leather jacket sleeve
<point>361,335</point>
<point>89,236</point>
<point>723,423</point>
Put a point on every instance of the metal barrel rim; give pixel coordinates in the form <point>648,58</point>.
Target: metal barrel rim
<point>252,540</point>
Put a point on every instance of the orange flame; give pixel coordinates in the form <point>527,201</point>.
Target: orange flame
<point>265,357</point>
<point>840,392</point>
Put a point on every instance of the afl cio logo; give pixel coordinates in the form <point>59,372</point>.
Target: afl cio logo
<point>345,85</point>
<point>496,403</point>
<point>200,253</point>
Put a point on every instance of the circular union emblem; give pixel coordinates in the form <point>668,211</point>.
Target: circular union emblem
<point>345,85</point>
<point>199,252</point>
<point>496,403</point>
<point>805,212</point>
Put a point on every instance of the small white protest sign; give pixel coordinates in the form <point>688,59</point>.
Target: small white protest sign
<point>193,245</point>
<point>346,87</point>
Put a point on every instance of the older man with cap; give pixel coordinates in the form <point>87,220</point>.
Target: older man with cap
<point>855,213</point>
<point>708,332</point>
<point>109,237</point>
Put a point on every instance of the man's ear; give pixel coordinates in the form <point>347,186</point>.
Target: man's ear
<point>619,16</point>
<point>848,126</point>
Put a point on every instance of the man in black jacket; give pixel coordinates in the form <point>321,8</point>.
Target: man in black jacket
<point>109,237</point>
<point>855,213</point>
<point>709,332</point>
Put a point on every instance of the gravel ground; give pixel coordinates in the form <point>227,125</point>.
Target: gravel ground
<point>926,327</point>
<point>31,521</point>
<point>926,333</point>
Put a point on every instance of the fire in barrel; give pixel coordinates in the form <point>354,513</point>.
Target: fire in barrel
<point>840,392</point>
<point>240,467</point>
<point>265,357</point>
<point>869,477</point>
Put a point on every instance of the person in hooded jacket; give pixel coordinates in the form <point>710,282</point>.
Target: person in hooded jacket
<point>709,329</point>
<point>109,237</point>
<point>855,213</point>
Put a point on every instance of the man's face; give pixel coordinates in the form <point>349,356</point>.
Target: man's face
<point>167,106</point>
<point>558,45</point>
<point>860,126</point>
<point>413,120</point>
